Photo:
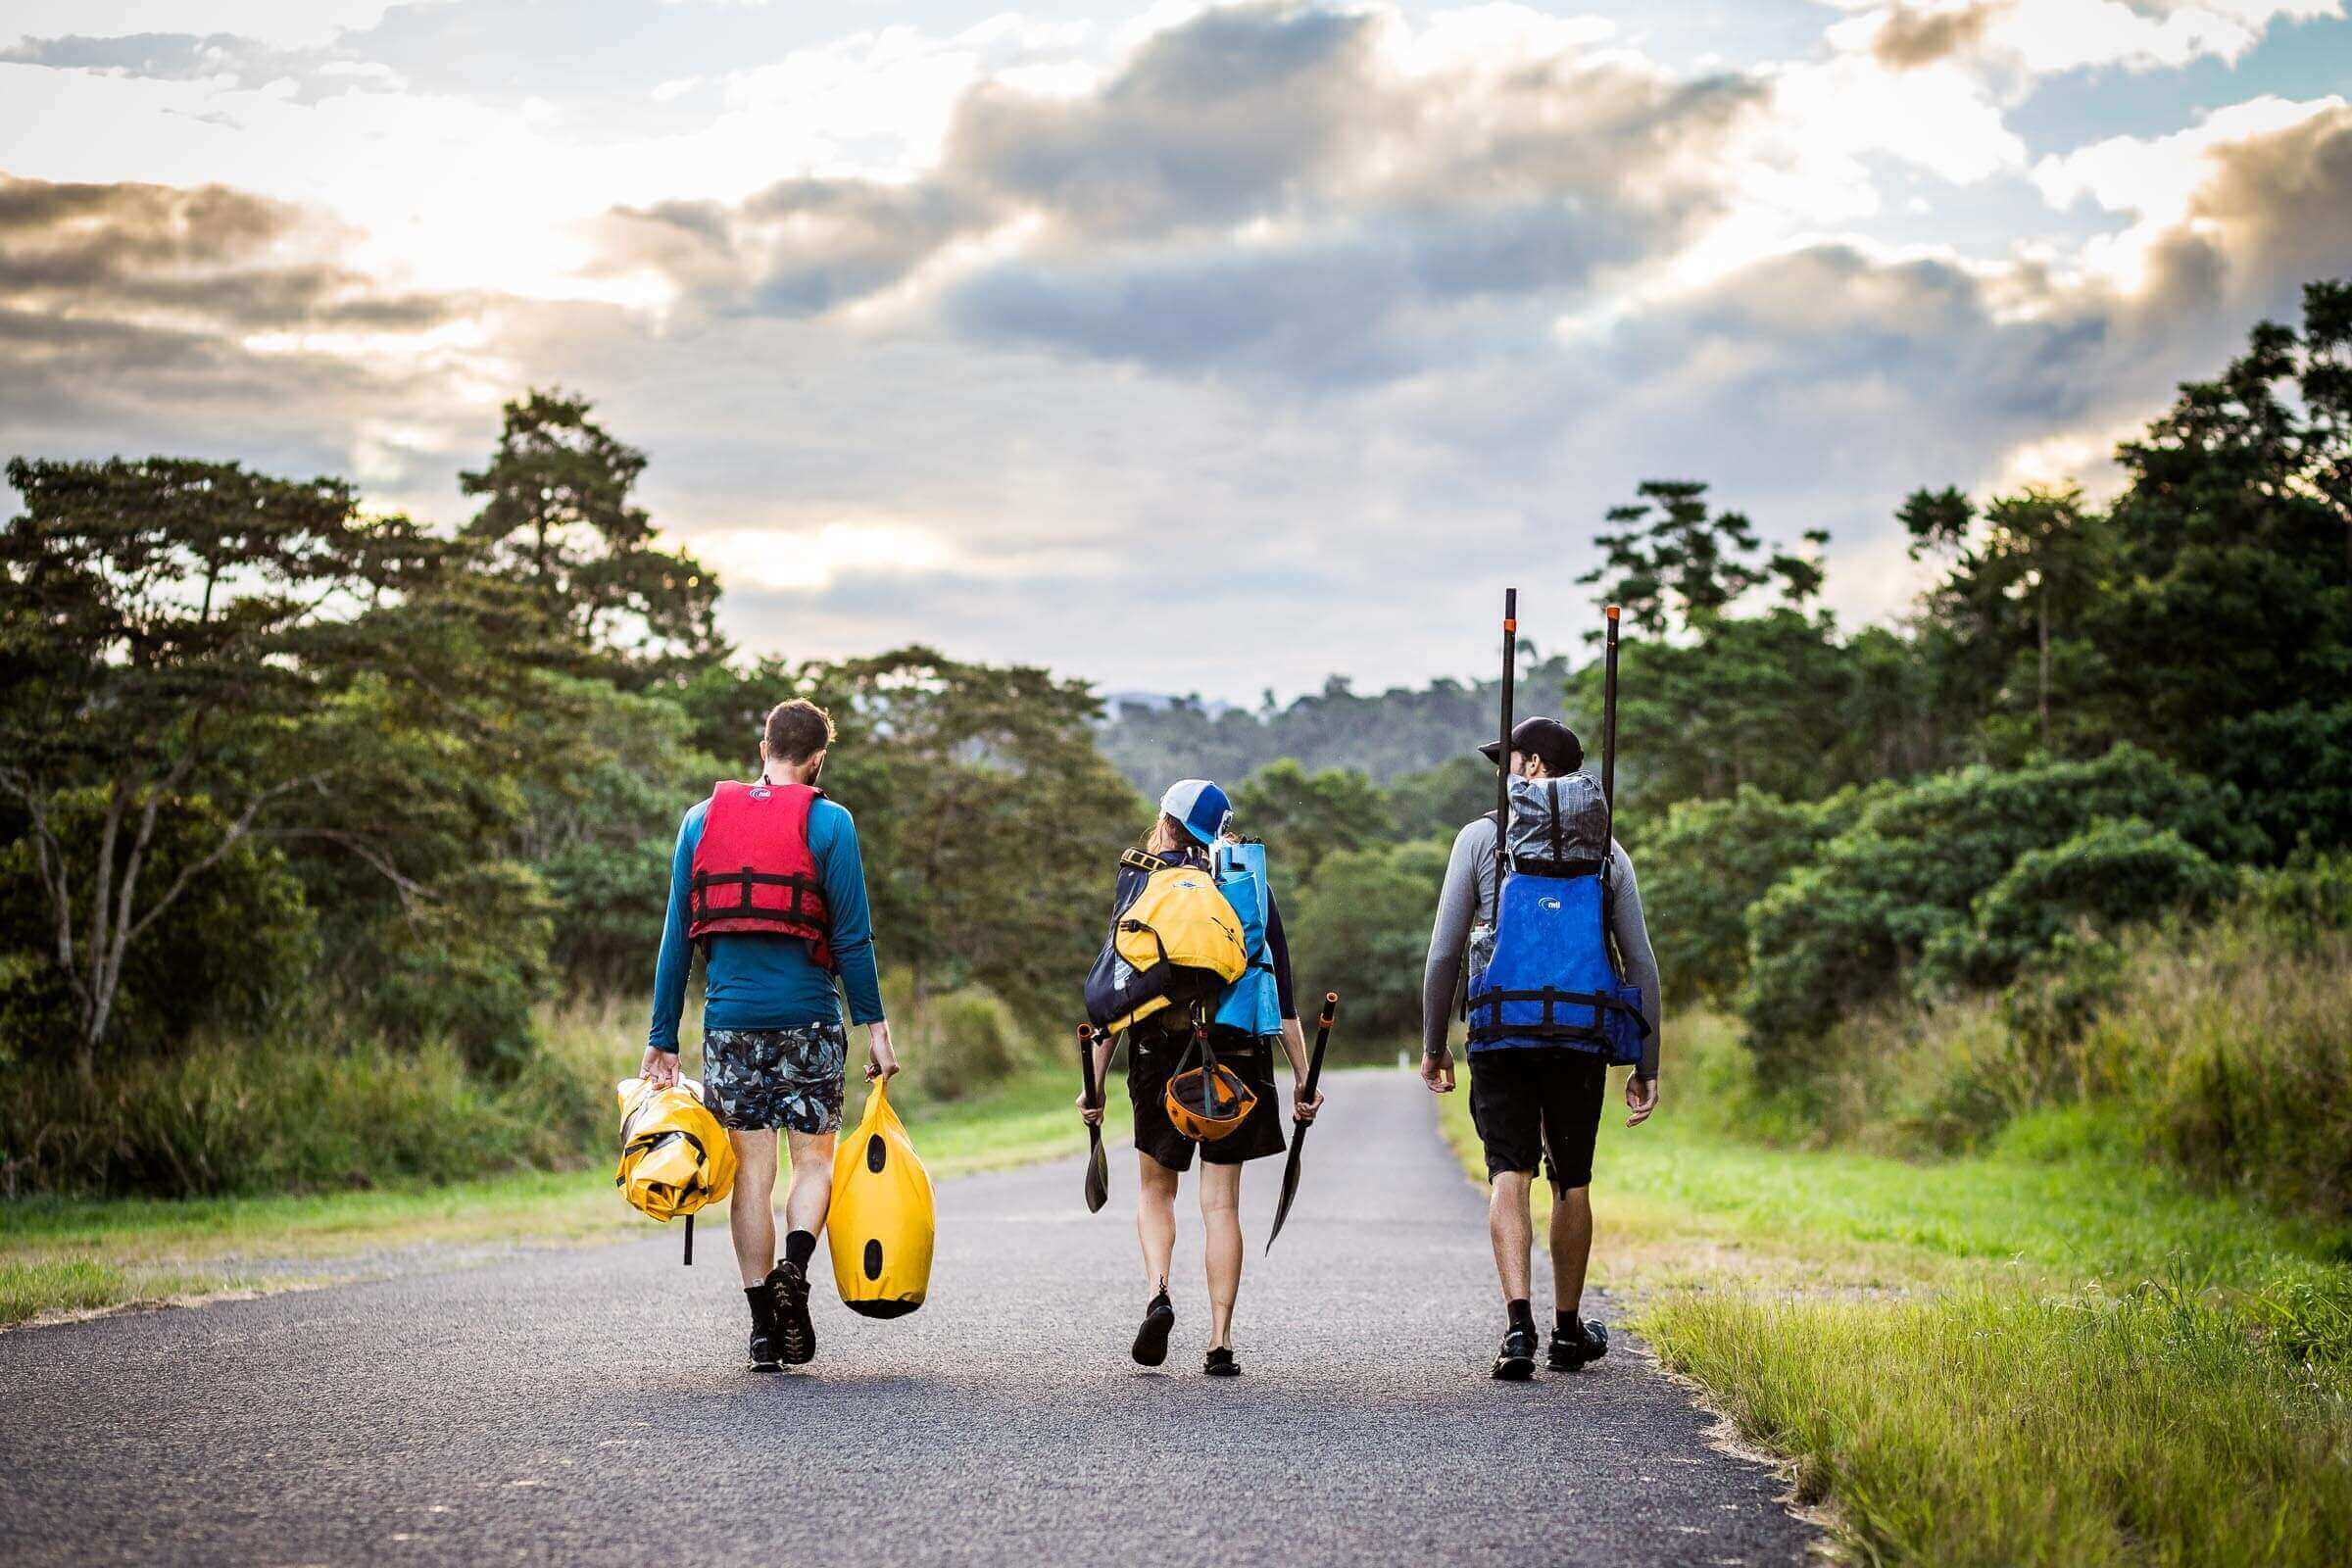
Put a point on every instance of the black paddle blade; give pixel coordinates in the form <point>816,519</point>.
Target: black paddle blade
<point>1098,1169</point>
<point>1290,1184</point>
<point>1097,1172</point>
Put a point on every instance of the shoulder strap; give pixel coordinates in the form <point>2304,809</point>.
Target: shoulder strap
<point>1142,861</point>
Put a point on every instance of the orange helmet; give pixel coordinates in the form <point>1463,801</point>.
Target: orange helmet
<point>1209,1102</point>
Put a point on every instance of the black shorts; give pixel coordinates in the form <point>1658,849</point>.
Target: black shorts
<point>1152,1056</point>
<point>1528,1104</point>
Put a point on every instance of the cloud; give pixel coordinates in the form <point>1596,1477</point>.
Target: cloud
<point>2041,38</point>
<point>1910,37</point>
<point>1297,191</point>
<point>223,58</point>
<point>118,301</point>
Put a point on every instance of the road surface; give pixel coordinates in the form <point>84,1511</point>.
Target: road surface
<point>591,1407</point>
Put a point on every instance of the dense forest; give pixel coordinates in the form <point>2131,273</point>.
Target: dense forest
<point>310,807</point>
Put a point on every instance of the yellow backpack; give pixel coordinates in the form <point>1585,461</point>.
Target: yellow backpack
<point>881,1222</point>
<point>1177,942</point>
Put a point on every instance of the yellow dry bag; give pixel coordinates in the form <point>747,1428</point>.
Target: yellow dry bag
<point>674,1156</point>
<point>880,1224</point>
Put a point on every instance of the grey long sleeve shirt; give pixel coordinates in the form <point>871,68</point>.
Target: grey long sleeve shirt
<point>1469,898</point>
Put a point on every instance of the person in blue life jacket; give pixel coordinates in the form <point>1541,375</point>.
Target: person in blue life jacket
<point>1541,1105</point>
<point>1252,1014</point>
<point>766,881</point>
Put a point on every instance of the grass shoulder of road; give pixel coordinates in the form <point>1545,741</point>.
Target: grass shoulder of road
<point>68,1255</point>
<point>2047,1353</point>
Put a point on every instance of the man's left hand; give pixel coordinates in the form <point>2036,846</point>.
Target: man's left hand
<point>660,1068</point>
<point>1641,1098</point>
<point>1302,1109</point>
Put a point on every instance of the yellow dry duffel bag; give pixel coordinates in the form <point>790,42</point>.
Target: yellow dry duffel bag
<point>674,1156</point>
<point>881,1223</point>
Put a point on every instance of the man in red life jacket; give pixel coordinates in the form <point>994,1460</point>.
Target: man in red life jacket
<point>768,882</point>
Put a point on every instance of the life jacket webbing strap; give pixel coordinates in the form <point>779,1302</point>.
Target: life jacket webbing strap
<point>803,889</point>
<point>1549,1027</point>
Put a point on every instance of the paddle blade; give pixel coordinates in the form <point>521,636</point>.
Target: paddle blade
<point>1290,1187</point>
<point>1097,1172</point>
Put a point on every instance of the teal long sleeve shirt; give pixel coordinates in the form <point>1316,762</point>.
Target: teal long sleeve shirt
<point>768,982</point>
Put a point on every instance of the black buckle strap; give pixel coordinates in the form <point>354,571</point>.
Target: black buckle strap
<point>805,889</point>
<point>1549,1027</point>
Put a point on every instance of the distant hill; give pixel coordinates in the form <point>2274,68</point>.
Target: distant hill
<point>1152,738</point>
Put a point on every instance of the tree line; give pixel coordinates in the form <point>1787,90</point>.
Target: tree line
<point>270,760</point>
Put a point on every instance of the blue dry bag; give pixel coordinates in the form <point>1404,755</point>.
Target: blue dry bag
<point>1552,981</point>
<point>1252,1005</point>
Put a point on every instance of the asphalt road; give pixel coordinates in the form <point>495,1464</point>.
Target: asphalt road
<point>591,1407</point>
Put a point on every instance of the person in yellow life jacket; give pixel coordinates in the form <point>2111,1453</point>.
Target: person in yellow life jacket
<point>766,881</point>
<point>1251,1014</point>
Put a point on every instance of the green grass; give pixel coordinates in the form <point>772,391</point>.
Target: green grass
<point>62,1254</point>
<point>2048,1352</point>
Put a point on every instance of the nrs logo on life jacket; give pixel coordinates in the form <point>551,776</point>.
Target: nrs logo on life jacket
<point>754,872</point>
<point>1552,979</point>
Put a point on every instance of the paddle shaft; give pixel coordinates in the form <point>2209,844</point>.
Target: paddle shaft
<point>1502,758</point>
<point>1609,727</point>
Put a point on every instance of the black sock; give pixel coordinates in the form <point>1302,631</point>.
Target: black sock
<point>1570,1324</point>
<point>798,1247</point>
<point>1523,1317</point>
<point>761,1300</point>
<point>1158,1301</point>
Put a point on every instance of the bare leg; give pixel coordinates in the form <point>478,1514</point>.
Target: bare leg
<point>811,1180</point>
<point>1512,1232</point>
<point>1221,1220</point>
<point>1571,1247</point>
<point>750,1219</point>
<point>1155,1218</point>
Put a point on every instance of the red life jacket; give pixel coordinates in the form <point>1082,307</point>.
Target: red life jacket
<point>754,871</point>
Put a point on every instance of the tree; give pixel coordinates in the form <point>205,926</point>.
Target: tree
<point>2233,587</point>
<point>2021,576</point>
<point>1305,818</point>
<point>1672,562</point>
<point>1840,933</point>
<point>1363,930</point>
<point>558,513</point>
<point>167,627</point>
<point>989,825</point>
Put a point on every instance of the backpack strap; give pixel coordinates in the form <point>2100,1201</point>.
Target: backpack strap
<point>1142,861</point>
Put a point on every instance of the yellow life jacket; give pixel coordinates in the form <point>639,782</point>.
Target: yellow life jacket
<point>882,1219</point>
<point>1178,941</point>
<point>674,1156</point>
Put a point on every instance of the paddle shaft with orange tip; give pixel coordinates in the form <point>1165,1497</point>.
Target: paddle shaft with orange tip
<point>1609,730</point>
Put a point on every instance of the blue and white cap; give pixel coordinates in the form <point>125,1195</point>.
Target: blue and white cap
<point>1200,806</point>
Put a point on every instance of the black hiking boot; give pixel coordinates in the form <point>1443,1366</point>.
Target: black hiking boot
<point>1151,1340</point>
<point>796,1334</point>
<point>1574,1352</point>
<point>1515,1362</point>
<point>1221,1364</point>
<point>762,1348</point>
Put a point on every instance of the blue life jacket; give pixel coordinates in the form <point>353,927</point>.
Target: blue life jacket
<point>1253,1004</point>
<point>1551,981</point>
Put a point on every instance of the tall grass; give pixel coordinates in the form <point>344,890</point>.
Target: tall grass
<point>307,1113</point>
<point>1995,1428</point>
<point>2222,1048</point>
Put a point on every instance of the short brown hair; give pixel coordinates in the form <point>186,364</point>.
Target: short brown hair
<point>797,730</point>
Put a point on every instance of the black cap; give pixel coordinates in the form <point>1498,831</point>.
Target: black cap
<point>1547,740</point>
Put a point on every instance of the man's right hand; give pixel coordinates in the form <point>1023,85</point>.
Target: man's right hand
<point>1092,1115</point>
<point>1437,1072</point>
<point>660,1068</point>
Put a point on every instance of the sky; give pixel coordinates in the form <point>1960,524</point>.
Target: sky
<point>1181,348</point>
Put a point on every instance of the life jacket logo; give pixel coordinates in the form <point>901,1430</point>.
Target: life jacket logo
<point>1550,904</point>
<point>761,792</point>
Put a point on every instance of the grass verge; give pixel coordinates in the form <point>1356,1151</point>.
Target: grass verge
<point>64,1255</point>
<point>2047,1352</point>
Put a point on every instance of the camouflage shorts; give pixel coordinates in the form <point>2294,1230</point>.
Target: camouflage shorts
<point>757,1080</point>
